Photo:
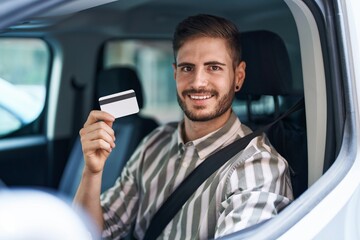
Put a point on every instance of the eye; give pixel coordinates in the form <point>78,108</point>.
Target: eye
<point>215,68</point>
<point>186,68</point>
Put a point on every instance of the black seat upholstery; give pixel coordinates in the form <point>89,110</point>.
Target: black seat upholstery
<point>129,131</point>
<point>268,73</point>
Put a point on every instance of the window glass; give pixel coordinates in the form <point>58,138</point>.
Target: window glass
<point>153,61</point>
<point>23,73</point>
<point>258,107</point>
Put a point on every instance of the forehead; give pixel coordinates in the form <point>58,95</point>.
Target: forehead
<point>204,49</point>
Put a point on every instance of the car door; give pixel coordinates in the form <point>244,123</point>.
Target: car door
<point>24,145</point>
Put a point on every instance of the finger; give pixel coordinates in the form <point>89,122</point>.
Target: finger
<point>92,146</point>
<point>96,116</point>
<point>96,127</point>
<point>110,124</point>
<point>99,134</point>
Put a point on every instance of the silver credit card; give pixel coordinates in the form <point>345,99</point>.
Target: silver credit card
<point>120,104</point>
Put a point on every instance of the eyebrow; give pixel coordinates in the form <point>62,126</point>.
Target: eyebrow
<point>185,64</point>
<point>206,64</point>
<point>214,63</point>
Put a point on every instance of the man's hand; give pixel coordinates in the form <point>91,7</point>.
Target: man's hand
<point>97,140</point>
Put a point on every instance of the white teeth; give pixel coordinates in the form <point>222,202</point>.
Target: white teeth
<point>200,97</point>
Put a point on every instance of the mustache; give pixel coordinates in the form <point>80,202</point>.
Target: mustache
<point>199,91</point>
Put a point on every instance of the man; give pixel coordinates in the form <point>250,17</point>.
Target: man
<point>252,186</point>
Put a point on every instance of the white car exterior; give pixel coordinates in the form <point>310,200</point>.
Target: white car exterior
<point>337,215</point>
<point>330,208</point>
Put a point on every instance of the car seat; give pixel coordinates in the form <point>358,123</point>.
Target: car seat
<point>129,131</point>
<point>268,73</point>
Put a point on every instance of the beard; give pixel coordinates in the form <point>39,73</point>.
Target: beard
<point>222,105</point>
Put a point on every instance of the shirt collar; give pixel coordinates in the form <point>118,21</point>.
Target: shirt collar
<point>215,140</point>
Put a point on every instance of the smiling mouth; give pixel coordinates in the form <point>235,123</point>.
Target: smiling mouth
<point>200,97</point>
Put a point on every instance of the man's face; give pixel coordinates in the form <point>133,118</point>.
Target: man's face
<point>206,79</point>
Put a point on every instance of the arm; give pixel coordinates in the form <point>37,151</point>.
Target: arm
<point>97,139</point>
<point>257,190</point>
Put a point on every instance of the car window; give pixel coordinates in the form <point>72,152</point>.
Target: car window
<point>153,61</point>
<point>23,73</point>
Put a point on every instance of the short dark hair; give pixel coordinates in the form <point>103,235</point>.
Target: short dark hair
<point>204,25</point>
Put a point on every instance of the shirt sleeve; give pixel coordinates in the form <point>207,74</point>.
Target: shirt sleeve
<point>120,202</point>
<point>257,190</point>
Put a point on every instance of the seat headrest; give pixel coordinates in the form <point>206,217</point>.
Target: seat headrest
<point>268,70</point>
<point>119,79</point>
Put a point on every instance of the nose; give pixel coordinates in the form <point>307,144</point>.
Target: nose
<point>200,78</point>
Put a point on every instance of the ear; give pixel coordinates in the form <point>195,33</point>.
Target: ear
<point>240,75</point>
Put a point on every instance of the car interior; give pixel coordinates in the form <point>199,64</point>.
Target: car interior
<point>129,131</point>
<point>88,49</point>
<point>266,51</point>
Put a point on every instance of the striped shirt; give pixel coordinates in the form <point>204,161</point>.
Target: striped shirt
<point>251,187</point>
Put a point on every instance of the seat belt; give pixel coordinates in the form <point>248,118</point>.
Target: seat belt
<point>202,172</point>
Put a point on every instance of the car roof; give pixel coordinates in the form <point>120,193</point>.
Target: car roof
<point>157,17</point>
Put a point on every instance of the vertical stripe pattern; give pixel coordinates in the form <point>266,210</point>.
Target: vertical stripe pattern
<point>251,187</point>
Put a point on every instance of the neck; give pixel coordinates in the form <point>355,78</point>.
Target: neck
<point>197,129</point>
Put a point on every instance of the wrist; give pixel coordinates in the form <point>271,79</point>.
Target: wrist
<point>88,173</point>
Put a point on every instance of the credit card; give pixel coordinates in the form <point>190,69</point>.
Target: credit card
<point>120,104</point>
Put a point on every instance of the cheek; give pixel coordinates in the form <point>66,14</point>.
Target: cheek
<point>180,86</point>
<point>181,82</point>
<point>226,85</point>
